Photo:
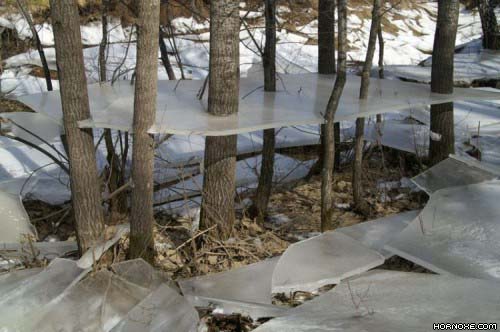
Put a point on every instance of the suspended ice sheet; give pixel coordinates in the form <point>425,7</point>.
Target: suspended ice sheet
<point>413,138</point>
<point>14,221</point>
<point>452,172</point>
<point>40,128</point>
<point>374,234</point>
<point>162,310</point>
<point>322,260</point>
<point>301,99</point>
<point>380,301</point>
<point>457,232</point>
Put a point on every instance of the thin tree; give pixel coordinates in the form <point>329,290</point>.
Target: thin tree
<point>327,222</point>
<point>86,196</point>
<point>141,213</point>
<point>359,204</point>
<point>23,7</point>
<point>491,34</point>
<point>217,207</point>
<point>263,194</point>
<point>442,140</point>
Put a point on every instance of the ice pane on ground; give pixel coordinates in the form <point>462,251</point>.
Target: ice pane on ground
<point>38,250</point>
<point>380,301</point>
<point>452,172</point>
<point>457,232</point>
<point>139,272</point>
<point>375,234</point>
<point>37,291</point>
<point>14,222</point>
<point>162,310</point>
<point>301,100</point>
<point>246,290</point>
<point>251,283</point>
<point>322,260</point>
<point>93,254</point>
<point>11,280</point>
<point>96,303</point>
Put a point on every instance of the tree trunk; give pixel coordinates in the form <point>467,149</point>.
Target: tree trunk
<point>217,206</point>
<point>381,74</point>
<point>46,72</point>
<point>104,41</point>
<point>491,35</point>
<point>326,65</point>
<point>141,214</point>
<point>164,57</point>
<point>326,37</point>
<point>86,196</point>
<point>263,193</point>
<point>442,80</point>
<point>357,188</point>
<point>327,222</point>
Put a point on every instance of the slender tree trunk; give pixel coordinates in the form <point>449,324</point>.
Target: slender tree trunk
<point>327,222</point>
<point>104,41</point>
<point>491,34</point>
<point>141,214</point>
<point>164,58</point>
<point>357,188</point>
<point>217,206</point>
<point>118,204</point>
<point>326,66</point>
<point>381,74</point>
<point>326,36</point>
<point>267,168</point>
<point>442,80</point>
<point>86,196</point>
<point>46,72</point>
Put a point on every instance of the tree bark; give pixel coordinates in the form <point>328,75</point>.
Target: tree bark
<point>218,194</point>
<point>141,214</point>
<point>380,59</point>
<point>357,188</point>
<point>46,72</point>
<point>327,222</point>
<point>442,80</point>
<point>263,194</point>
<point>104,40</point>
<point>86,196</point>
<point>491,35</point>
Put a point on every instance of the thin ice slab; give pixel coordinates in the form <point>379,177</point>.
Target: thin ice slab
<point>380,301</point>
<point>14,221</point>
<point>456,233</point>
<point>322,260</point>
<point>36,128</point>
<point>452,172</point>
<point>10,280</point>
<point>245,290</point>
<point>38,250</point>
<point>141,273</point>
<point>162,310</point>
<point>37,291</point>
<point>97,303</point>
<point>301,99</point>
<point>375,234</point>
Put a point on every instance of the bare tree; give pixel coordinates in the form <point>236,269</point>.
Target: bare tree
<point>491,34</point>
<point>263,194</point>
<point>164,57</point>
<point>327,206</point>
<point>86,196</point>
<point>442,142</point>
<point>23,7</point>
<point>359,204</point>
<point>146,84</point>
<point>217,207</point>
